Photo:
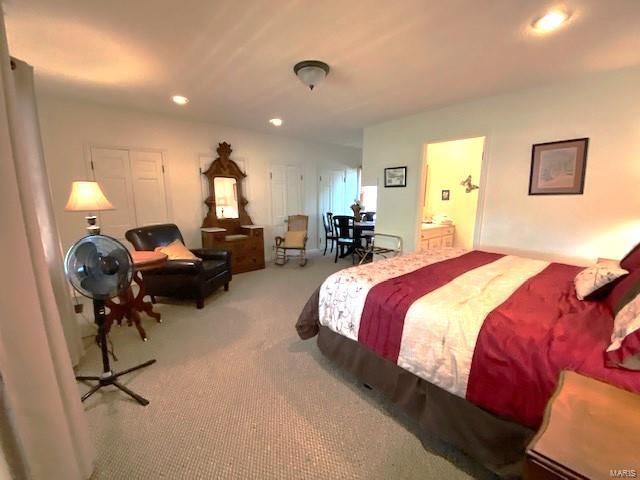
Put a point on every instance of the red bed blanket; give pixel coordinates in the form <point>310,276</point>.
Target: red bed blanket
<point>494,329</point>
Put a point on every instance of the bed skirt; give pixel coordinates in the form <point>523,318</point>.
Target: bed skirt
<point>496,443</point>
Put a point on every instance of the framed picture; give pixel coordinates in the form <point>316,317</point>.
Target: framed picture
<point>558,168</point>
<point>395,177</point>
<point>445,195</point>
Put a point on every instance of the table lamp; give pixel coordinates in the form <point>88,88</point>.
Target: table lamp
<point>88,197</point>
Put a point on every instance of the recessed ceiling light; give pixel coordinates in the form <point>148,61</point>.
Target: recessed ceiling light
<point>180,100</point>
<point>276,122</point>
<point>550,21</point>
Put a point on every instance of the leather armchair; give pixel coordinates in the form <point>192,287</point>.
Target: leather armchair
<point>193,279</point>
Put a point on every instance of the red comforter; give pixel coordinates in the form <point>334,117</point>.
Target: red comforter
<point>522,344</point>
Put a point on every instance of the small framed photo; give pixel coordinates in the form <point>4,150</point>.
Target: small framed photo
<point>558,168</point>
<point>395,177</point>
<point>445,195</point>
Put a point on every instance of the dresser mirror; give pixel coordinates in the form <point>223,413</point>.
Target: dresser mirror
<point>226,195</point>
<point>227,225</point>
<point>226,203</point>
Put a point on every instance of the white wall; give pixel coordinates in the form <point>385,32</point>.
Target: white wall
<point>69,127</point>
<point>448,164</point>
<point>605,221</point>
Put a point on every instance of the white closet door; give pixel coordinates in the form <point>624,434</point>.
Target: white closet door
<point>324,202</point>
<point>147,173</point>
<point>294,191</point>
<point>335,195</point>
<point>278,181</point>
<point>339,204</point>
<point>111,169</point>
<point>286,195</point>
<point>351,188</point>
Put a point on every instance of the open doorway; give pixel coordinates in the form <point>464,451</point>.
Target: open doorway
<point>450,205</point>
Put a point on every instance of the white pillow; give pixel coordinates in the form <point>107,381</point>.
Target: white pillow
<point>626,334</point>
<point>595,277</point>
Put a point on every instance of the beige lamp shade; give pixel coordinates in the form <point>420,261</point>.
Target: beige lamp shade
<point>87,197</point>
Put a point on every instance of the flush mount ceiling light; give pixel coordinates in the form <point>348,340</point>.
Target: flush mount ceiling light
<point>276,122</point>
<point>311,72</point>
<point>550,21</point>
<point>180,100</point>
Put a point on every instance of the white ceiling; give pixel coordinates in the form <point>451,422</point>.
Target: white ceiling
<point>234,58</point>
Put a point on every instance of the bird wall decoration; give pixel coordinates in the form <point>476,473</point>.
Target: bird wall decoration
<point>469,186</point>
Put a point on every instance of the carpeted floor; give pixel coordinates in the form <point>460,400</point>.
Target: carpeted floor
<point>235,394</point>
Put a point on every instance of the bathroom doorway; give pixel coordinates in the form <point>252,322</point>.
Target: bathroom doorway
<point>451,190</point>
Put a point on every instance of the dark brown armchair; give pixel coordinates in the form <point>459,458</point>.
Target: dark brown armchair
<point>193,279</point>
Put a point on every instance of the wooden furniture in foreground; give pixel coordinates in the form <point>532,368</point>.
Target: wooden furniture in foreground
<point>129,304</point>
<point>295,239</point>
<point>227,225</point>
<point>591,430</point>
<point>436,236</point>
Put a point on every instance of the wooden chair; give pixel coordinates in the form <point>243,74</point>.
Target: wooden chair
<point>329,235</point>
<point>344,230</point>
<point>295,239</point>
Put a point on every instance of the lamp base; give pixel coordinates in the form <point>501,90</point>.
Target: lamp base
<point>92,227</point>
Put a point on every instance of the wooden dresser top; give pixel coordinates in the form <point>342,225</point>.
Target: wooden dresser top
<point>590,428</point>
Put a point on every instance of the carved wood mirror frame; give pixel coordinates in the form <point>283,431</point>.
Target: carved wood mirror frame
<point>223,166</point>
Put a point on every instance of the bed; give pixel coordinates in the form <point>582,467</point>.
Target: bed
<point>469,343</point>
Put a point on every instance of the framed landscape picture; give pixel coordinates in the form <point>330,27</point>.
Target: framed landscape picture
<point>558,168</point>
<point>395,177</point>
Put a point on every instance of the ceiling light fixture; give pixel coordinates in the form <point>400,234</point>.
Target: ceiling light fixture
<point>276,122</point>
<point>311,72</point>
<point>180,100</point>
<point>550,21</point>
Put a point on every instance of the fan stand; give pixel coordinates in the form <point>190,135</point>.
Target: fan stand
<point>108,377</point>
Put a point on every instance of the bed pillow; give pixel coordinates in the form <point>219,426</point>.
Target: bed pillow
<point>597,281</point>
<point>623,292</point>
<point>631,260</point>
<point>176,251</point>
<point>625,339</point>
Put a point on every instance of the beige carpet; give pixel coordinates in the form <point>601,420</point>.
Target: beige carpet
<point>236,394</point>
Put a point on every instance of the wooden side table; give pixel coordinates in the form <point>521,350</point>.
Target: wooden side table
<point>130,305</point>
<point>590,430</point>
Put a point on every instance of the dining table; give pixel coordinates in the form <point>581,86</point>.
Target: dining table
<point>361,229</point>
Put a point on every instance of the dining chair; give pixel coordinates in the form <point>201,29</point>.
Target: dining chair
<point>344,231</point>
<point>329,235</point>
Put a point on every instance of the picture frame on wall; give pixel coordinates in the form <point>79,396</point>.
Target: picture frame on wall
<point>558,168</point>
<point>395,177</point>
<point>446,194</point>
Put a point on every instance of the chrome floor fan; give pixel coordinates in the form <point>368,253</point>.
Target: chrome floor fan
<point>100,267</point>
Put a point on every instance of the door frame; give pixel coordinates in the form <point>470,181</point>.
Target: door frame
<point>89,174</point>
<point>480,210</point>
